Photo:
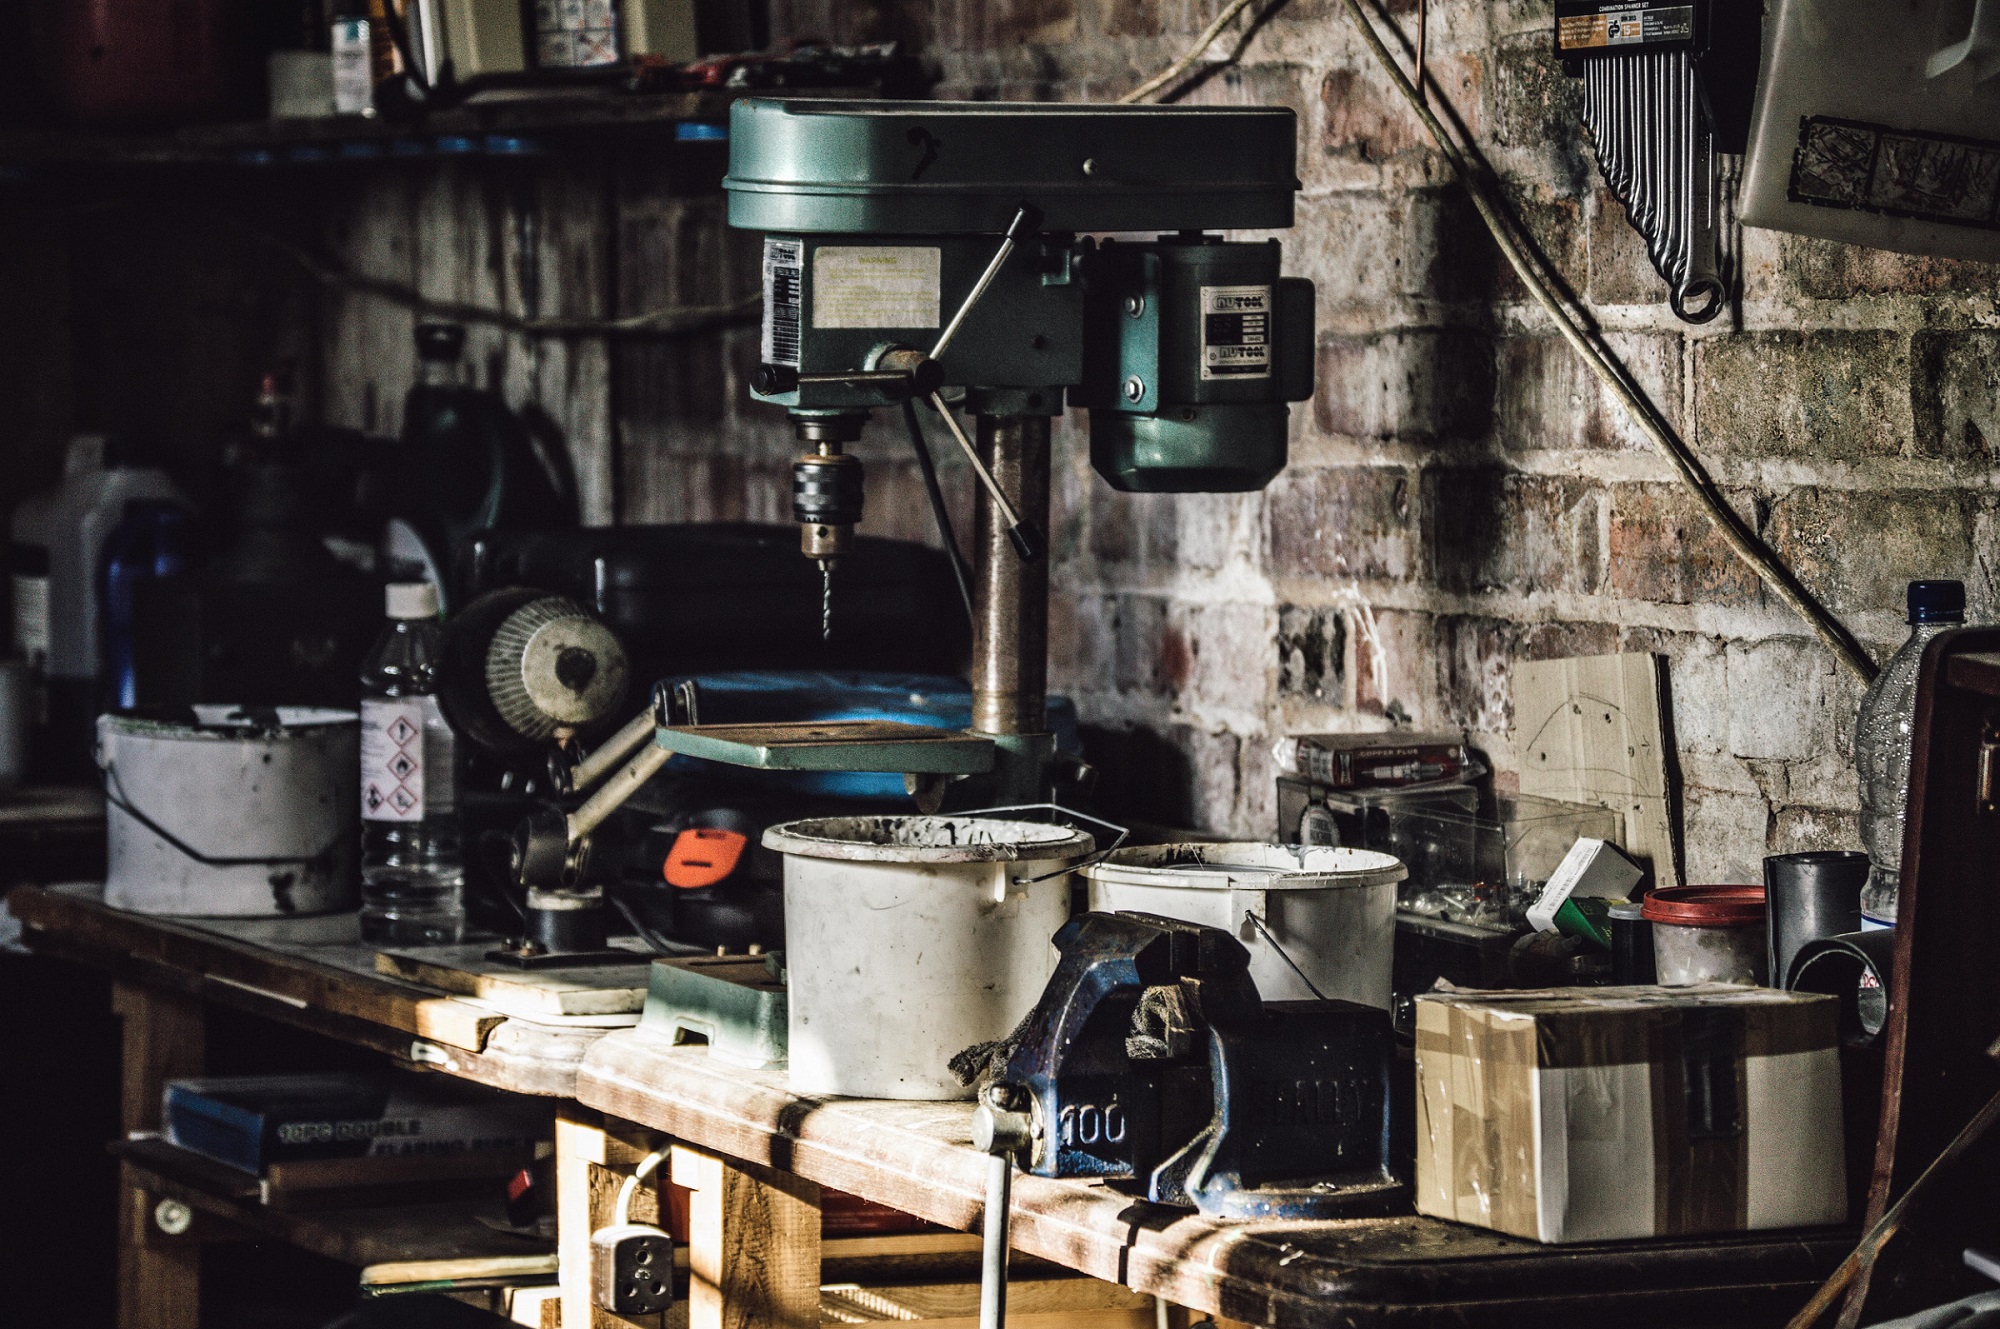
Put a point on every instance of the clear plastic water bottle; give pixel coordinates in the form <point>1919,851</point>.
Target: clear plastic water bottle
<point>1882,746</point>
<point>412,877</point>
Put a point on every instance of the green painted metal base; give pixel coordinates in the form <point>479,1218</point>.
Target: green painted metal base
<point>736,1002</point>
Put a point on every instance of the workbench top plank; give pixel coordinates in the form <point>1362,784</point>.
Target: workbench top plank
<point>918,1158</point>
<point>311,972</point>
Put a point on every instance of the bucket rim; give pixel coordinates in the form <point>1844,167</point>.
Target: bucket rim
<point>1220,865</point>
<point>849,839</point>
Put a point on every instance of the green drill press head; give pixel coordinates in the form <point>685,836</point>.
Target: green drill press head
<point>880,218</point>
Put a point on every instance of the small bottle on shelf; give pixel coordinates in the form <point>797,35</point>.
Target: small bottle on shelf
<point>412,876</point>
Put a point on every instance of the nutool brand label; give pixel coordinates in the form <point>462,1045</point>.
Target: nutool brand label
<point>1235,332</point>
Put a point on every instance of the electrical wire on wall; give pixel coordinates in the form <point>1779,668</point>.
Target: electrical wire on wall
<point>1469,164</point>
<point>682,321</point>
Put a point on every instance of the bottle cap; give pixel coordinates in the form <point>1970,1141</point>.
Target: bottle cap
<point>1937,602</point>
<point>411,599</point>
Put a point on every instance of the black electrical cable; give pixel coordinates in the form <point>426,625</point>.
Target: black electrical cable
<point>929,468</point>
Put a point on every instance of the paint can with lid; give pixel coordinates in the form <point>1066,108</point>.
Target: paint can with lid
<point>229,811</point>
<point>1707,934</point>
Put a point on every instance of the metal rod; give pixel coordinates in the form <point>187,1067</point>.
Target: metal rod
<point>993,1247</point>
<point>618,788</point>
<point>972,455</point>
<point>613,750</point>
<point>1024,223</point>
<point>1010,595</point>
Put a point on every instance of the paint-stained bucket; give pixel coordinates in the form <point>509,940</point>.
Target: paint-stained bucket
<point>231,811</point>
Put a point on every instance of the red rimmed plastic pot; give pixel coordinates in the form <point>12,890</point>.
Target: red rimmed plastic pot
<point>1708,934</point>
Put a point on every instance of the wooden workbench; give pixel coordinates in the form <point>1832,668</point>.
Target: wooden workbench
<point>756,1156</point>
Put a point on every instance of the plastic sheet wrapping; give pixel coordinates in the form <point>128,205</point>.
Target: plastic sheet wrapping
<point>1589,1114</point>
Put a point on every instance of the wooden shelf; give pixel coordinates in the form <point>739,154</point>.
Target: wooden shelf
<point>388,1234</point>
<point>504,125</point>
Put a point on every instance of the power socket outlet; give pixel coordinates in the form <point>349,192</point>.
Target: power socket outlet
<point>631,1269</point>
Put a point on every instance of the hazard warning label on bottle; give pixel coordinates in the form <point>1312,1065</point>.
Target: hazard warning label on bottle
<point>392,759</point>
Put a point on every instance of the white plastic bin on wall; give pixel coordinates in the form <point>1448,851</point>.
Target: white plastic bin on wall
<point>909,939</point>
<point>1332,910</point>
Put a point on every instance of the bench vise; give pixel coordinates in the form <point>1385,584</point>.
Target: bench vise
<point>1152,1057</point>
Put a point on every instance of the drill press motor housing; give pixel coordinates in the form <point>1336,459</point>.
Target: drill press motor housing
<point>880,279</point>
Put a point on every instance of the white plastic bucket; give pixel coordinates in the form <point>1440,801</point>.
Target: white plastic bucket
<point>1333,910</point>
<point>221,811</point>
<point>909,939</point>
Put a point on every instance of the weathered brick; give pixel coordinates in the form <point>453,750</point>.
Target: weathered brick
<point>1537,106</point>
<point>1475,663</point>
<point>1555,227</point>
<point>1394,661</point>
<point>1151,654</point>
<point>1778,694</point>
<point>1232,661</point>
<point>1955,392</point>
<point>1859,550</point>
<point>1362,116</point>
<point>1312,654</point>
<point>1128,528</point>
<point>1547,398</point>
<point>1823,394</point>
<point>1422,385</point>
<point>1830,270</point>
<point>1343,522</point>
<point>1725,836</point>
<point>1697,694</point>
<point>1797,830</point>
<point>1621,272</point>
<point>1664,548</point>
<point>1491,529</point>
<point>1560,641</point>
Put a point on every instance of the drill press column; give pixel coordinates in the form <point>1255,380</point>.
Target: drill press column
<point>1010,598</point>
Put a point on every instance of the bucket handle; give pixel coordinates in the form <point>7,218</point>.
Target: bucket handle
<point>1095,858</point>
<point>115,795</point>
<point>1257,922</point>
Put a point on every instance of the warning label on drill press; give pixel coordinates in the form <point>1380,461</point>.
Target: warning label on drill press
<point>1587,25</point>
<point>1235,332</point>
<point>876,286</point>
<point>392,759</point>
<point>784,296</point>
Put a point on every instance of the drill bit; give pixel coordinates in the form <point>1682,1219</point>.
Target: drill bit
<point>826,599</point>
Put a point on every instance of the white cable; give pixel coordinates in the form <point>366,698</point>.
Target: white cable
<point>621,1213</point>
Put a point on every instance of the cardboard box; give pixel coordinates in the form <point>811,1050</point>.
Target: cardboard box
<point>1593,1114</point>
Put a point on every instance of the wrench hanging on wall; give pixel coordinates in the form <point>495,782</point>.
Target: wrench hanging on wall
<point>1667,88</point>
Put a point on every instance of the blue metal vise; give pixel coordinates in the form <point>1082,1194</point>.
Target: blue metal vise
<point>1151,1056</point>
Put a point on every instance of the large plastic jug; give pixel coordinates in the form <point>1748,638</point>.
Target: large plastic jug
<point>1879,124</point>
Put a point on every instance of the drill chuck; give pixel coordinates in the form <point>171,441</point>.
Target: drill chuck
<point>826,502</point>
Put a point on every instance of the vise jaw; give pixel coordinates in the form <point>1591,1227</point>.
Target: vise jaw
<point>1152,1057</point>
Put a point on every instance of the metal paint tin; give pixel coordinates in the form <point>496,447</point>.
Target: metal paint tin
<point>230,811</point>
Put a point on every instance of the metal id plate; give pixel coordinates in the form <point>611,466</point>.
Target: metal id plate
<point>842,745</point>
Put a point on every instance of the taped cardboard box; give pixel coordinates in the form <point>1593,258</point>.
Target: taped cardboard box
<point>1593,1114</point>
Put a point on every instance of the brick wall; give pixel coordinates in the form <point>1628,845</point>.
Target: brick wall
<point>1461,494</point>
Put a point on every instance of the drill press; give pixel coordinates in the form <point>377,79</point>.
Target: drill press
<point>942,251</point>
<point>1007,261</point>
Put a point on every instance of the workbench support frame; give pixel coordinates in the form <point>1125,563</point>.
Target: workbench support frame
<point>159,1277</point>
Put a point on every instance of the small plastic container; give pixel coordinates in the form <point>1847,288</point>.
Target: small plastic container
<point>1631,944</point>
<point>1708,934</point>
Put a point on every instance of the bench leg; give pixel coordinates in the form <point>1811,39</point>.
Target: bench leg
<point>753,1245</point>
<point>159,1279</point>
